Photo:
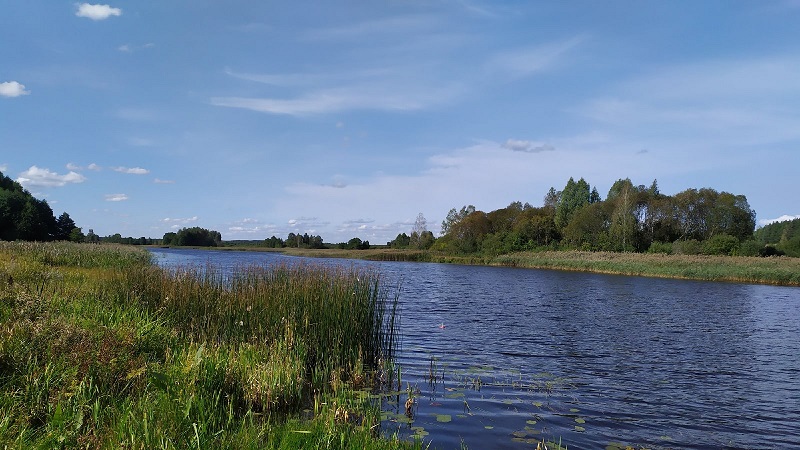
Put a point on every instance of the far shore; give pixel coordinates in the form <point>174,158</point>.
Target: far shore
<point>780,271</point>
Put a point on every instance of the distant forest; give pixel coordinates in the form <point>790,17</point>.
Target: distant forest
<point>632,218</point>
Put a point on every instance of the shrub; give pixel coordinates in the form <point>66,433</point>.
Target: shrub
<point>660,247</point>
<point>688,247</point>
<point>720,244</point>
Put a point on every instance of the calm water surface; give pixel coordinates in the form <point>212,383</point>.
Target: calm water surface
<point>518,355</point>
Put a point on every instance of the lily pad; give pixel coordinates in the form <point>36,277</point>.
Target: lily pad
<point>574,410</point>
<point>444,418</point>
<point>488,427</point>
<point>579,429</point>
<point>579,420</point>
<point>530,422</point>
<point>538,404</point>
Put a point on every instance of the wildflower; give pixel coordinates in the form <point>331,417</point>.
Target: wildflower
<point>241,323</point>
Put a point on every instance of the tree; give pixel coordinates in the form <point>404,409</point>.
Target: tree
<point>197,237</point>
<point>574,196</point>
<point>552,198</point>
<point>64,227</point>
<point>455,216</point>
<point>401,241</point>
<point>420,228</point>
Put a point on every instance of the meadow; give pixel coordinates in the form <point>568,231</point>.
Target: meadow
<point>100,348</point>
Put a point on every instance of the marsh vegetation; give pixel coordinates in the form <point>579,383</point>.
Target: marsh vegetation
<point>99,348</point>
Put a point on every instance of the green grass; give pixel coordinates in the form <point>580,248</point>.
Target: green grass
<point>782,271</point>
<point>776,270</point>
<point>101,349</point>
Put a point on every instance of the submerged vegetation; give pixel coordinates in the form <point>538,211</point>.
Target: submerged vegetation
<point>99,348</point>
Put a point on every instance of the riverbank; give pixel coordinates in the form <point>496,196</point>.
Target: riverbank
<point>781,271</point>
<point>99,348</point>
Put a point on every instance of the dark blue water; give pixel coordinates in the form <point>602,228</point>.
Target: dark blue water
<point>586,359</point>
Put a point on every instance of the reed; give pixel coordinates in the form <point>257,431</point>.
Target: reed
<point>101,349</point>
<point>776,270</point>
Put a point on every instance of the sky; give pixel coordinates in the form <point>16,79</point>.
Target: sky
<point>350,118</point>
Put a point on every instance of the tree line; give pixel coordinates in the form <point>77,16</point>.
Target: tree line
<point>632,218</point>
<point>24,217</point>
<point>780,238</point>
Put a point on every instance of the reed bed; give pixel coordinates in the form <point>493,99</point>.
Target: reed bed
<point>775,270</point>
<point>101,349</point>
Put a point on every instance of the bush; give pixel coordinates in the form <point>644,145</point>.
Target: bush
<point>791,247</point>
<point>720,244</point>
<point>688,247</point>
<point>660,247</point>
<point>749,248</point>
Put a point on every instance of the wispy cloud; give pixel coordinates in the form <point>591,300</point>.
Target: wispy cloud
<point>332,100</point>
<point>3,167</point>
<point>526,61</point>
<point>527,146</point>
<point>36,176</point>
<point>391,25</point>
<point>180,221</point>
<point>160,181</point>
<point>131,170</point>
<point>97,12</point>
<point>130,48</point>
<point>116,197</point>
<point>746,101</point>
<point>12,89</point>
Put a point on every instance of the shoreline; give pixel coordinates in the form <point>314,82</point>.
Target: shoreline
<point>778,271</point>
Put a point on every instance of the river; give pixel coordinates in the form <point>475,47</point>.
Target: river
<point>595,361</point>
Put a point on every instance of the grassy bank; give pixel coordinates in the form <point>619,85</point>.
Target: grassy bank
<point>101,349</point>
<point>782,271</point>
<point>779,271</point>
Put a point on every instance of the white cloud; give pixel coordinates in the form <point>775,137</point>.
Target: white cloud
<point>180,221</point>
<point>128,48</point>
<point>527,146</point>
<point>12,89</point>
<point>97,12</point>
<point>160,181</point>
<point>527,61</point>
<point>36,176</point>
<point>132,170</point>
<point>116,197</point>
<point>336,100</point>
<point>3,167</point>
<point>783,218</point>
<point>75,167</point>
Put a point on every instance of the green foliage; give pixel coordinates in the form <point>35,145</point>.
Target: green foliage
<point>574,196</point>
<point>455,216</point>
<point>195,237</point>
<point>721,244</point>
<point>687,247</point>
<point>660,247</point>
<point>99,349</point>
<point>23,217</point>
<point>783,235</point>
<point>401,241</point>
<point>631,219</point>
<point>303,241</point>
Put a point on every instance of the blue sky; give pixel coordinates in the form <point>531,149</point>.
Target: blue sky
<point>349,118</point>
